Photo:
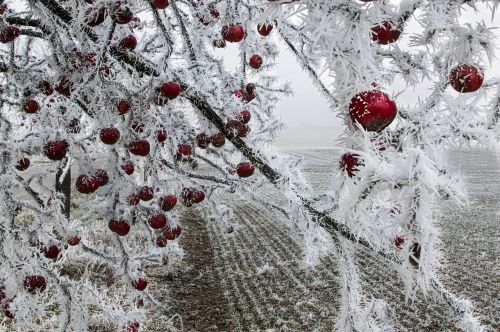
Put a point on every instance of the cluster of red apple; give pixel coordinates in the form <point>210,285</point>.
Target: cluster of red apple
<point>32,284</point>
<point>374,110</point>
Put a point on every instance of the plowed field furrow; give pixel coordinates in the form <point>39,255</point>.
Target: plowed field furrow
<point>284,267</point>
<point>246,307</point>
<point>258,268</point>
<point>194,290</point>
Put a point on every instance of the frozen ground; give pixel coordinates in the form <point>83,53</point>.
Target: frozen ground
<point>251,279</point>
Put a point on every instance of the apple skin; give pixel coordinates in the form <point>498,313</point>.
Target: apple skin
<point>146,193</point>
<point>56,150</point>
<point>140,284</point>
<point>34,284</point>
<point>87,184</point>
<point>22,164</point>
<point>160,4</point>
<point>168,202</point>
<point>157,221</point>
<point>171,90</point>
<point>349,162</point>
<point>264,29</point>
<point>255,61</point>
<point>233,33</point>
<point>120,227</point>
<point>139,148</point>
<point>73,240</point>
<point>373,110</point>
<point>245,169</point>
<point>385,33</point>
<point>31,106</point>
<point>9,34</point>
<point>128,168</point>
<point>128,43</point>
<point>466,78</point>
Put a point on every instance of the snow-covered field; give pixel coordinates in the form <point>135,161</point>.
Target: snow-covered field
<point>252,279</point>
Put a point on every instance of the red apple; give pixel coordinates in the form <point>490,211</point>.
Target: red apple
<point>87,184</point>
<point>399,241</point>
<point>146,193</point>
<point>466,78</point>
<point>232,128</point>
<point>250,88</point>
<point>239,94</point>
<point>349,162</point>
<point>172,233</point>
<point>202,141</point>
<point>160,4</point>
<point>132,326</point>
<point>9,34</point>
<point>120,227</point>
<point>169,234</point>
<point>233,33</point>
<point>8,312</point>
<point>177,230</point>
<point>255,61</point>
<point>244,130</point>
<point>207,19</point>
<point>139,148</point>
<point>244,116</point>
<point>133,199</point>
<point>34,283</point>
<point>245,169</point>
<point>374,110</point>
<point>51,252</point>
<point>183,150</point>
<point>103,177</point>
<point>73,240</point>
<point>128,168</point>
<point>95,17</point>
<point>122,106</point>
<point>385,33</point>
<point>140,284</point>
<point>128,43</point>
<point>197,196</point>
<point>249,97</point>
<point>168,202</point>
<point>22,164</point>
<point>45,87</point>
<point>121,14</point>
<point>161,241</point>
<point>170,90</point>
<point>218,140</point>
<point>157,221</point>
<point>264,28</point>
<point>31,106</point>
<point>109,135</point>
<point>161,135</point>
<point>56,150</point>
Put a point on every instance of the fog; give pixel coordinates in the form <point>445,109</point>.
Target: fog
<point>309,121</point>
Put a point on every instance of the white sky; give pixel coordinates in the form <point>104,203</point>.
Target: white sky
<point>310,123</point>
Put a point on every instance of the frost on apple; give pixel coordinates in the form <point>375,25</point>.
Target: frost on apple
<point>118,116</point>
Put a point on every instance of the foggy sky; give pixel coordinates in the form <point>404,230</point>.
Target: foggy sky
<point>310,122</point>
